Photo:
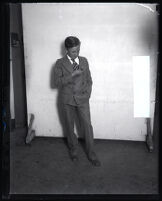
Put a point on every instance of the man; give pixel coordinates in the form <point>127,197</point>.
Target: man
<point>73,77</point>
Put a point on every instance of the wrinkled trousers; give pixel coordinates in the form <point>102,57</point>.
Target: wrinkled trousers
<point>85,122</point>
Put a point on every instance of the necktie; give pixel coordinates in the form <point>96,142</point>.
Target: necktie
<point>75,65</point>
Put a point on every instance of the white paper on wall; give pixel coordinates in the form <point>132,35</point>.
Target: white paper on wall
<point>141,86</point>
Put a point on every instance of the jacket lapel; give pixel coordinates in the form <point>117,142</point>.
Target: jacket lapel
<point>67,65</point>
<point>81,63</point>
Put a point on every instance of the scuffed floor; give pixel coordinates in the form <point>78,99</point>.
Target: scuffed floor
<point>44,167</point>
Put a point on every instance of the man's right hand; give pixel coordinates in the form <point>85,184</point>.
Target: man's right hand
<point>76,72</point>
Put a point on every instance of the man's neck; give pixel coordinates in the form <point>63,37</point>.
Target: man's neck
<point>70,59</point>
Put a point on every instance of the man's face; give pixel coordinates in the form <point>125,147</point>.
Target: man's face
<point>73,52</point>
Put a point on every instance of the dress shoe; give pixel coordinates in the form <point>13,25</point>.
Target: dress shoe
<point>74,158</point>
<point>94,159</point>
<point>73,154</point>
<point>95,162</point>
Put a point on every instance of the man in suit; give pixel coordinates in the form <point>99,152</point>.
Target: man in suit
<point>73,77</point>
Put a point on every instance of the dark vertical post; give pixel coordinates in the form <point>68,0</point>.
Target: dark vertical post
<point>5,98</point>
<point>149,139</point>
<point>18,66</point>
<point>156,112</point>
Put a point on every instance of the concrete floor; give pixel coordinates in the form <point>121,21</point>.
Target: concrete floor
<point>44,167</point>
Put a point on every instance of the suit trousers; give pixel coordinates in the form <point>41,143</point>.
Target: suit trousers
<point>83,111</point>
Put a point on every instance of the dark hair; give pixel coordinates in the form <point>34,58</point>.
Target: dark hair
<point>71,41</point>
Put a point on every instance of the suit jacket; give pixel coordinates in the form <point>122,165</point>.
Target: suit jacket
<point>74,90</point>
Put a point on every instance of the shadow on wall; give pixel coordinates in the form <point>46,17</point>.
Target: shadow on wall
<point>60,110</point>
<point>148,36</point>
<point>62,53</point>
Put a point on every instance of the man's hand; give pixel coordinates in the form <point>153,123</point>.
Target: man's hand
<point>76,72</point>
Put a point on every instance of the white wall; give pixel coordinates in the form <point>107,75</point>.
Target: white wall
<point>111,34</point>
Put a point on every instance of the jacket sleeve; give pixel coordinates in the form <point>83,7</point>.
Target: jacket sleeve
<point>89,79</point>
<point>59,78</point>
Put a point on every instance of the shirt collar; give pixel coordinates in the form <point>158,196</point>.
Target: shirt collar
<point>76,59</point>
